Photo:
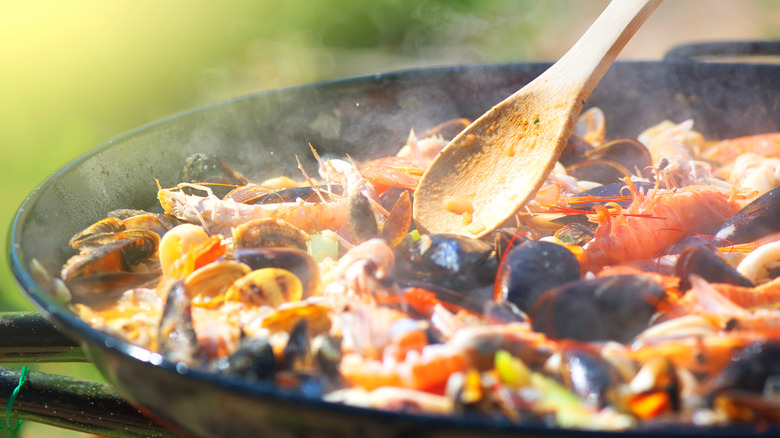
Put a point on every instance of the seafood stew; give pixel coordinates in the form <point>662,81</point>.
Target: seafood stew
<point>459,305</point>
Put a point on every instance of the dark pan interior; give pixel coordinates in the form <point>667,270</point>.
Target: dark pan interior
<point>260,135</point>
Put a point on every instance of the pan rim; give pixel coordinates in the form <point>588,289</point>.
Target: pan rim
<point>86,334</point>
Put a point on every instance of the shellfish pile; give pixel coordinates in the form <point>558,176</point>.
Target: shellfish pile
<point>640,286</point>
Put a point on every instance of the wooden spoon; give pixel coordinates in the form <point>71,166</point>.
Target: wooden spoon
<point>496,165</point>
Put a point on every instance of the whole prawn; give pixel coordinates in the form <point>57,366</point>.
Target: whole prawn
<point>218,216</point>
<point>655,221</point>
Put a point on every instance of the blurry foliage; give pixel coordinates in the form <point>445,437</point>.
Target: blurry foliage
<point>75,74</point>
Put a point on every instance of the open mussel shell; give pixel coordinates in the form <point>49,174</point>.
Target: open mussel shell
<point>110,266</point>
<point>93,234</point>
<point>253,360</point>
<point>591,126</point>
<point>575,150</point>
<point>612,161</point>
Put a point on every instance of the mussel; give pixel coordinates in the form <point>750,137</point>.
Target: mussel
<point>206,168</point>
<point>612,161</point>
<point>177,340</point>
<point>613,308</point>
<point>451,261</point>
<point>362,218</point>
<point>590,376</point>
<point>748,389</point>
<point>254,194</point>
<point>254,360</point>
<point>757,219</point>
<point>751,370</point>
<point>705,262</point>
<point>297,354</point>
<point>532,268</point>
<point>109,266</point>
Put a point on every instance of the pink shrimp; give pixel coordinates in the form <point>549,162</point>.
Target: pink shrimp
<point>654,222</point>
<point>219,216</point>
<point>426,370</point>
<point>403,172</point>
<point>726,151</point>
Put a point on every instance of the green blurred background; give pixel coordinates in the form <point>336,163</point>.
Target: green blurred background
<point>74,74</point>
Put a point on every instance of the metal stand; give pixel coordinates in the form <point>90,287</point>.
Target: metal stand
<point>62,401</point>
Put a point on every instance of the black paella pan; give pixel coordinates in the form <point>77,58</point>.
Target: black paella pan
<point>367,118</point>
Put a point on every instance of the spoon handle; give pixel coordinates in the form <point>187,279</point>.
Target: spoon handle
<point>590,57</point>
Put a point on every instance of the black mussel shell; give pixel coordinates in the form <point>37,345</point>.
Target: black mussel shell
<point>503,312</point>
<point>532,268</point>
<point>575,151</point>
<point>748,388</point>
<point>253,360</point>
<point>589,376</point>
<point>472,300</point>
<point>757,219</point>
<point>705,262</point>
<point>362,221</point>
<point>750,370</point>
<point>451,261</point>
<point>615,192</point>
<point>615,308</point>
<point>176,338</point>
<point>297,355</point>
<point>327,354</point>
<point>612,161</point>
<point>206,168</point>
<point>390,197</point>
<point>695,240</point>
<point>307,193</point>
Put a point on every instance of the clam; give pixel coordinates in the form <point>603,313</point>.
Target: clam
<point>269,233</point>
<point>266,287</point>
<point>296,261</point>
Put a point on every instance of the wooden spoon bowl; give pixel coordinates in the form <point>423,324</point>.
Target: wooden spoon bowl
<point>496,165</point>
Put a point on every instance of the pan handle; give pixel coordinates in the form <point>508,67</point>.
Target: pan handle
<point>75,404</point>
<point>62,401</point>
<point>735,50</point>
<point>28,337</point>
